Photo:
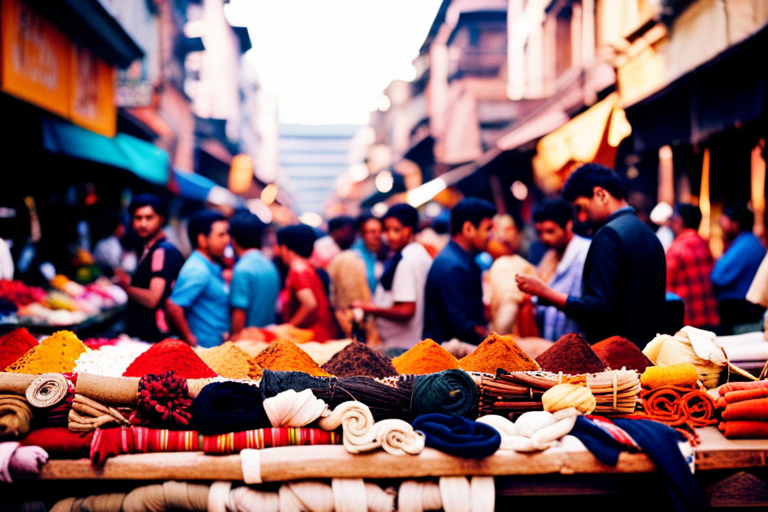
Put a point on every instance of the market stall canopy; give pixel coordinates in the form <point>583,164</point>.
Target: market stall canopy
<point>142,158</point>
<point>592,136</point>
<point>199,188</point>
<point>533,129</point>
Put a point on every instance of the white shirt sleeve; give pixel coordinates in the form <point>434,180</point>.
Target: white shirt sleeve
<point>6,261</point>
<point>405,282</point>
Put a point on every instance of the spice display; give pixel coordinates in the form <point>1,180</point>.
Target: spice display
<point>170,355</point>
<point>564,396</point>
<point>55,354</point>
<point>163,401</point>
<point>448,392</point>
<point>111,360</point>
<point>15,344</point>
<point>618,353</point>
<point>423,358</point>
<point>284,355</point>
<point>230,361</point>
<point>358,359</point>
<point>683,374</point>
<point>571,354</point>
<point>498,352</point>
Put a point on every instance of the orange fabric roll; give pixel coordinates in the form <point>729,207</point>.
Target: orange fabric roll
<point>699,408</point>
<point>744,429</point>
<point>663,404</point>
<point>748,410</point>
<point>741,386</point>
<point>746,394</point>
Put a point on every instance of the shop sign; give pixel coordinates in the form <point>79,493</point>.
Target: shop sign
<point>42,66</point>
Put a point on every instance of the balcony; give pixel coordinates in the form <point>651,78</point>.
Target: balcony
<point>478,62</point>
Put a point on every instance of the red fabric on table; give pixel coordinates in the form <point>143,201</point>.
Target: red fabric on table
<point>744,429</point>
<point>59,442</point>
<point>745,394</point>
<point>748,410</point>
<point>124,440</point>
<point>741,386</point>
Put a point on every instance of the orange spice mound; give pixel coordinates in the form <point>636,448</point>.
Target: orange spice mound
<point>423,358</point>
<point>285,356</point>
<point>55,354</point>
<point>498,352</point>
<point>230,361</point>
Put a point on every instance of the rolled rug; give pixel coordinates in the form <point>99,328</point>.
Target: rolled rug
<point>744,429</point>
<point>223,407</point>
<point>747,410</point>
<point>458,436</point>
<point>47,390</point>
<point>108,390</point>
<point>450,392</point>
<point>15,383</point>
<point>15,416</point>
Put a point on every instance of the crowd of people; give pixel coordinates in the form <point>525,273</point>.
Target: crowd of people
<point>371,278</point>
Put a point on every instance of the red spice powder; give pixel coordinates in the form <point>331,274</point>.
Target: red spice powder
<point>618,352</point>
<point>170,355</point>
<point>571,354</point>
<point>15,344</point>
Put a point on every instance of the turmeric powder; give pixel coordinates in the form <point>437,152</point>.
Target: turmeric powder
<point>423,358</point>
<point>55,354</point>
<point>286,356</point>
<point>230,361</point>
<point>498,352</point>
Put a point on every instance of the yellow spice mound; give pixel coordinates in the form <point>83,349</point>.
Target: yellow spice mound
<point>55,354</point>
<point>230,361</point>
<point>423,358</point>
<point>498,352</point>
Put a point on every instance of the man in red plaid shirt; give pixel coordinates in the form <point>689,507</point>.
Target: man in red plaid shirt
<point>689,265</point>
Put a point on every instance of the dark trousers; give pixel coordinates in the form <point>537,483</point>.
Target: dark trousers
<point>735,312</point>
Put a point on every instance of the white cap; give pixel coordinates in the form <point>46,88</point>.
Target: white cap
<point>661,213</point>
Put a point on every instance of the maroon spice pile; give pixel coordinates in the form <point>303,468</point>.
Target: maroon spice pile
<point>571,354</point>
<point>618,352</point>
<point>360,360</point>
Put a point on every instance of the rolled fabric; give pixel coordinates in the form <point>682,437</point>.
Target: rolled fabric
<point>742,395</point>
<point>397,437</point>
<point>748,410</point>
<point>112,502</point>
<point>292,409</point>
<point>564,396</point>
<point>349,495</point>
<point>744,429</point>
<point>15,416</point>
<point>108,390</point>
<point>245,499</point>
<point>458,436</point>
<point>27,461</point>
<point>418,496</point>
<point>680,374</point>
<point>534,430</point>
<point>450,392</point>
<point>699,408</point>
<point>456,494</point>
<point>303,496</point>
<point>357,421</point>
<point>15,383</point>
<point>47,390</point>
<point>223,407</point>
<point>742,386</point>
<point>273,383</point>
<point>663,404</point>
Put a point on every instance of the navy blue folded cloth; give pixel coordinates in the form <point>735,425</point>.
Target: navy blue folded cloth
<point>456,435</point>
<point>223,407</point>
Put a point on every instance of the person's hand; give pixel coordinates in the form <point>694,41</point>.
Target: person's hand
<point>121,278</point>
<point>192,340</point>
<point>531,285</point>
<point>367,307</point>
<point>458,348</point>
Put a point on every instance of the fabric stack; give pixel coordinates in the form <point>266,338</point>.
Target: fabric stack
<point>743,407</point>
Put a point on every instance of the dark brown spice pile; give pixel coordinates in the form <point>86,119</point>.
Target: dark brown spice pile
<point>360,360</point>
<point>618,352</point>
<point>571,354</point>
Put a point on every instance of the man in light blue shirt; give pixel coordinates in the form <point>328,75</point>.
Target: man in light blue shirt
<point>255,281</point>
<point>732,274</point>
<point>199,304</point>
<point>562,265</point>
<point>368,247</point>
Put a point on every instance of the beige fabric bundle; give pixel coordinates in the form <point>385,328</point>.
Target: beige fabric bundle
<point>15,416</point>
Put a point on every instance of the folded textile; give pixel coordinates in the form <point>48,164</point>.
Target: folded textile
<point>744,429</point>
<point>22,461</point>
<point>15,416</point>
<point>292,409</point>
<point>448,392</point>
<point>59,442</point>
<point>740,396</point>
<point>456,435</point>
<point>747,410</point>
<point>223,407</point>
<point>125,440</point>
<point>740,386</point>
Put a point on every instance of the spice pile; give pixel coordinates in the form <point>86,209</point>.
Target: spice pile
<point>284,355</point>
<point>618,353</point>
<point>15,344</point>
<point>170,355</point>
<point>358,359</point>
<point>498,352</point>
<point>423,358</point>
<point>55,354</point>
<point>571,355</point>
<point>230,361</point>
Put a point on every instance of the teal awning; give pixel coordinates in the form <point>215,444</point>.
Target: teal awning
<point>142,158</point>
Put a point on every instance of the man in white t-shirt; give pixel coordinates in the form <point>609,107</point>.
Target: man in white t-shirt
<point>398,303</point>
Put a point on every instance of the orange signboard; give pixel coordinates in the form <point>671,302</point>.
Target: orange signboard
<point>42,66</point>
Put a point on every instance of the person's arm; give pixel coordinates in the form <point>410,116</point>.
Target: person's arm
<point>306,310</point>
<point>533,285</point>
<point>147,297</point>
<point>179,321</point>
<point>728,268</point>
<point>399,312</point>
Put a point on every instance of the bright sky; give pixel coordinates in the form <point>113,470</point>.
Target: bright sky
<point>330,60</point>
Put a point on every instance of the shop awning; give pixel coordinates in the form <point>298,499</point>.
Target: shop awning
<point>533,129</point>
<point>592,136</point>
<point>142,158</point>
<point>192,185</point>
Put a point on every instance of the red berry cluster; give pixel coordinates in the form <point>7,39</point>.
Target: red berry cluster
<point>163,400</point>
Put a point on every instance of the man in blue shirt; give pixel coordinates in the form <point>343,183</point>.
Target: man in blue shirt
<point>732,274</point>
<point>368,247</point>
<point>454,296</point>
<point>255,281</point>
<point>199,303</point>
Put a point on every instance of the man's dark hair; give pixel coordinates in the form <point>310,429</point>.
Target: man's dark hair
<point>246,229</point>
<point>365,217</point>
<point>470,209</point>
<point>558,211</point>
<point>200,224</point>
<point>740,213</point>
<point>300,239</point>
<point>341,222</point>
<point>690,214</point>
<point>405,213</point>
<point>142,200</point>
<point>584,179</point>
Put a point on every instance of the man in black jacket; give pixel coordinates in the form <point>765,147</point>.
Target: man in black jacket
<point>625,272</point>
